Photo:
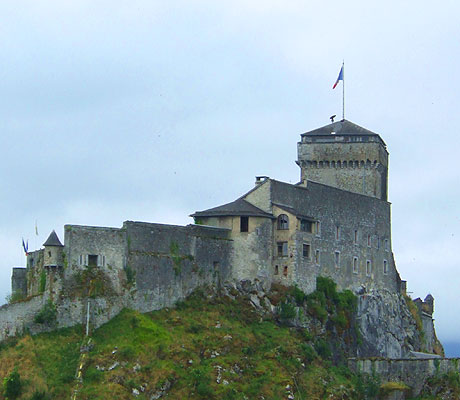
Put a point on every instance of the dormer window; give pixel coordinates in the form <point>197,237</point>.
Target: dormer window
<point>283,222</point>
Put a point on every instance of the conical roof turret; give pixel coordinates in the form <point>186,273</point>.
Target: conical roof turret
<point>53,240</point>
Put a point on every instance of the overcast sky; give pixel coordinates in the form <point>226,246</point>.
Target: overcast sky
<point>149,110</point>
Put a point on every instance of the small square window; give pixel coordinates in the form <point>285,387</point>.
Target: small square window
<point>317,257</point>
<point>387,247</point>
<point>385,267</point>
<point>355,237</point>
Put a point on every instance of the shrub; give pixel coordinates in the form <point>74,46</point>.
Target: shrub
<point>12,385</point>
<point>286,312</point>
<point>328,287</point>
<point>298,295</point>
<point>308,352</point>
<point>47,314</point>
<point>37,395</point>
<point>323,349</point>
<point>348,301</point>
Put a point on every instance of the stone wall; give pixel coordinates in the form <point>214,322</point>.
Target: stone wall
<point>16,318</point>
<point>169,261</point>
<point>346,212</point>
<point>413,372</point>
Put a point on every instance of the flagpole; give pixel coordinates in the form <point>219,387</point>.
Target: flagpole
<point>343,89</point>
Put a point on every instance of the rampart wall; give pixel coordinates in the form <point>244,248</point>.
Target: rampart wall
<point>413,372</point>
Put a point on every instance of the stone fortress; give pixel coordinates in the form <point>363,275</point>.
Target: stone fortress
<point>335,222</point>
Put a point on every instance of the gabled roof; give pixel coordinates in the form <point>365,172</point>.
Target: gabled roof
<point>342,127</point>
<point>53,240</point>
<point>239,207</point>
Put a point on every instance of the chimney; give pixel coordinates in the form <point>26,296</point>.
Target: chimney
<point>261,179</point>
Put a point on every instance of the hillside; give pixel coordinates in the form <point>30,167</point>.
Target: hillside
<point>212,346</point>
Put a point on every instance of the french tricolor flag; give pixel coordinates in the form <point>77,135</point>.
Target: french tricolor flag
<point>340,78</point>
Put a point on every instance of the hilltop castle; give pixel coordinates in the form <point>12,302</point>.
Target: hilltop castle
<point>335,222</point>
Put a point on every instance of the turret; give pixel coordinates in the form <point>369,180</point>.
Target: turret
<point>346,156</point>
<point>53,256</point>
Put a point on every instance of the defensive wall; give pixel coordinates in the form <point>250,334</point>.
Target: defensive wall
<point>142,266</point>
<point>413,372</point>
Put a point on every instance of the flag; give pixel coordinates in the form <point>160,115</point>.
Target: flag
<point>36,228</point>
<point>25,246</point>
<point>340,78</point>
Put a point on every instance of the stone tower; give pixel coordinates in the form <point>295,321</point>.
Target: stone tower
<point>53,256</point>
<point>346,156</point>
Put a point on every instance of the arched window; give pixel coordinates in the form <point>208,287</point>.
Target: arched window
<point>283,221</point>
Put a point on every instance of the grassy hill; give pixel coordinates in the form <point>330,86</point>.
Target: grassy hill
<point>208,347</point>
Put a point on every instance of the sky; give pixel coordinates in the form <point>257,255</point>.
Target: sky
<point>149,111</point>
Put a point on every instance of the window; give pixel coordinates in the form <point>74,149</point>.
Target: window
<point>306,250</point>
<point>306,225</point>
<point>92,260</point>
<point>387,247</point>
<point>317,257</point>
<point>337,259</point>
<point>355,265</point>
<point>282,249</point>
<point>337,232</point>
<point>318,228</point>
<point>285,271</point>
<point>369,241</point>
<point>368,268</point>
<point>244,224</point>
<point>283,222</point>
<point>385,267</point>
<point>355,237</point>
<point>276,270</point>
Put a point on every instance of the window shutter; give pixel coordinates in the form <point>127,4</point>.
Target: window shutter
<point>86,260</point>
<point>99,260</point>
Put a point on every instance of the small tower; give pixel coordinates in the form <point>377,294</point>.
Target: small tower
<point>346,156</point>
<point>53,251</point>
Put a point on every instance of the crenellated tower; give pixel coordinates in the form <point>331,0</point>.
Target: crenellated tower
<point>346,156</point>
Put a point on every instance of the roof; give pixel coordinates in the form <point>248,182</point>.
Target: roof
<point>53,240</point>
<point>239,207</point>
<point>342,127</point>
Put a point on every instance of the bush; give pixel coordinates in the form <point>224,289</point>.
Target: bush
<point>308,352</point>
<point>328,287</point>
<point>38,395</point>
<point>287,312</point>
<point>323,349</point>
<point>47,315</point>
<point>298,295</point>
<point>348,301</point>
<point>12,385</point>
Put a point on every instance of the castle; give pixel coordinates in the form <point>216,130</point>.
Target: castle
<point>335,222</point>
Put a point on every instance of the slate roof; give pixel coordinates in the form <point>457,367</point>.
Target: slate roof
<point>53,240</point>
<point>238,207</point>
<point>343,127</point>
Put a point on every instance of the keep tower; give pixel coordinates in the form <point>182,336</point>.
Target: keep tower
<point>346,156</point>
